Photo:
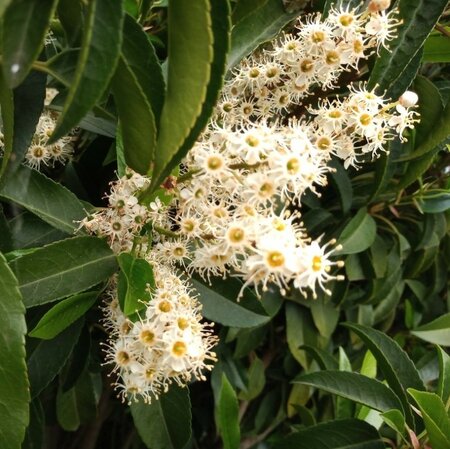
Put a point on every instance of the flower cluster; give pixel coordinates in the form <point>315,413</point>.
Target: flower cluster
<point>269,83</point>
<point>235,207</point>
<point>40,152</point>
<point>168,343</point>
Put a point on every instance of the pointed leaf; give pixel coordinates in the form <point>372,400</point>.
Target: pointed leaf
<point>166,422</point>
<point>136,276</point>
<point>45,198</point>
<point>443,388</point>
<point>25,24</point>
<point>339,434</point>
<point>353,386</point>
<point>418,20</point>
<point>63,315</point>
<point>63,268</point>
<point>397,367</point>
<point>435,417</point>
<point>228,415</point>
<point>220,26</point>
<point>96,63</point>
<point>359,234</point>
<point>324,359</point>
<point>14,388</point>
<point>263,24</point>
<point>437,331</point>
<point>138,88</point>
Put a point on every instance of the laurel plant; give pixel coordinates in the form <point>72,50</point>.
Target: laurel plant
<point>224,224</point>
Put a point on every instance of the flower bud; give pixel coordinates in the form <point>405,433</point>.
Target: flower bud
<point>408,99</point>
<point>379,5</point>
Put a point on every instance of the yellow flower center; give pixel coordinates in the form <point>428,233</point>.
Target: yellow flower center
<point>317,263</point>
<point>293,166</point>
<point>346,20</point>
<point>165,306</point>
<point>275,259</point>
<point>214,163</point>
<point>236,235</point>
<point>147,337</point>
<point>179,348</point>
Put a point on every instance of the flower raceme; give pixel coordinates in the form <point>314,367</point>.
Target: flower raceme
<point>235,208</point>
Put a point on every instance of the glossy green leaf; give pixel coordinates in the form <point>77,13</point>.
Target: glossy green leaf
<point>14,388</point>
<point>244,8</point>
<point>419,18</point>
<point>434,202</point>
<point>3,5</point>
<point>190,51</point>
<point>25,24</point>
<point>138,88</point>
<point>437,331</point>
<point>63,314</point>
<point>260,26</point>
<point>96,63</point>
<point>228,415</point>
<point>63,268</point>
<point>43,197</point>
<point>324,359</point>
<point>70,16</point>
<point>166,422</point>
<point>29,231</point>
<point>325,316</point>
<point>443,388</point>
<point>220,303</point>
<point>359,234</point>
<point>343,185</point>
<point>20,118</point>
<point>353,386</point>
<point>395,420</point>
<point>300,331</point>
<point>436,49</point>
<point>435,417</point>
<point>221,25</point>
<point>136,276</point>
<point>339,434</point>
<point>397,367</point>
<point>49,357</point>
<point>34,437</point>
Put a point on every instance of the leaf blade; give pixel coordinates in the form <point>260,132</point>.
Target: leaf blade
<point>14,386</point>
<point>97,61</point>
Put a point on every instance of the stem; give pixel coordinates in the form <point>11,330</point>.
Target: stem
<point>188,175</point>
<point>442,30</point>
<point>166,232</point>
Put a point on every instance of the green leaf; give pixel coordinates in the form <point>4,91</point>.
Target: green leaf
<point>343,184</point>
<point>262,25</point>
<point>43,197</point>
<point>395,420</point>
<point>300,331</point>
<point>14,389</point>
<point>29,231</point>
<point>220,303</point>
<point>435,417</point>
<point>359,234</point>
<point>339,434</point>
<point>70,16</point>
<point>135,277</point>
<point>34,437</point>
<point>185,94</point>
<point>63,315</point>
<point>49,357</point>
<point>256,380</point>
<point>324,359</point>
<point>436,49</point>
<point>63,268</point>
<point>397,367</point>
<point>220,27</point>
<point>138,88</point>
<point>437,331</point>
<point>25,24</point>
<point>166,422</point>
<point>325,316</point>
<point>353,386</point>
<point>3,5</point>
<point>96,63</point>
<point>20,118</point>
<point>245,7</point>
<point>228,415</point>
<point>443,388</point>
<point>434,202</point>
<point>418,20</point>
